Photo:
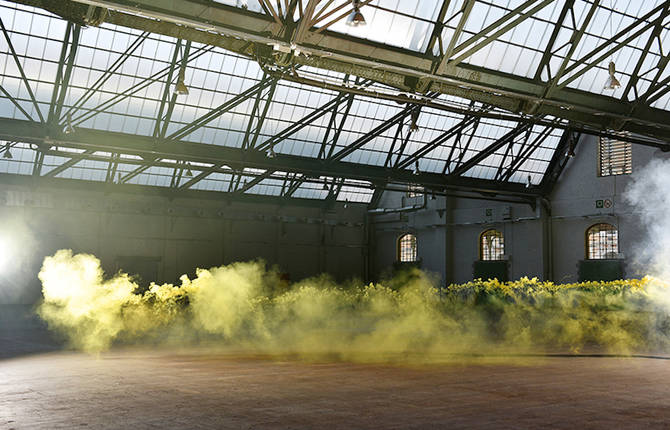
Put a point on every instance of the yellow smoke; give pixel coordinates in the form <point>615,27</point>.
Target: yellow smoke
<point>244,305</point>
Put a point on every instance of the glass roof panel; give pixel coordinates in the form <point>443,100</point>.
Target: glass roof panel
<point>120,77</point>
<point>404,24</point>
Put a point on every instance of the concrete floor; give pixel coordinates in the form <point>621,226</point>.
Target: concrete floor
<point>45,389</point>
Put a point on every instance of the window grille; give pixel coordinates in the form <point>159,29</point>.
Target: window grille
<point>407,248</point>
<point>615,157</point>
<point>602,242</point>
<point>491,246</point>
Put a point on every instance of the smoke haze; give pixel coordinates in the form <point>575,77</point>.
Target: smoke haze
<point>243,305</point>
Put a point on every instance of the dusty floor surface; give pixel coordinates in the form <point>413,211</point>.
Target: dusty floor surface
<point>45,389</point>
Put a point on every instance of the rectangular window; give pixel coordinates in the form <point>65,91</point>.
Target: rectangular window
<point>615,156</point>
<point>414,191</point>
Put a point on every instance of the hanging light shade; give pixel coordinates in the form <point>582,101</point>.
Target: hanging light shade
<point>7,154</point>
<point>181,88</point>
<point>414,126</point>
<point>612,82</point>
<point>69,128</point>
<point>356,18</point>
<point>188,173</point>
<point>271,153</point>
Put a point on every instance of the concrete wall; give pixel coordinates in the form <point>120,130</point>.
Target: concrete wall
<point>537,243</point>
<point>428,225</point>
<point>165,238</point>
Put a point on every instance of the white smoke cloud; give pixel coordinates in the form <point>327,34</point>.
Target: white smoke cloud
<point>649,195</point>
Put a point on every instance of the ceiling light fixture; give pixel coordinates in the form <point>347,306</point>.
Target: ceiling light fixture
<point>415,119</point>
<point>180,87</point>
<point>416,168</point>
<point>189,174</point>
<point>271,153</point>
<point>69,128</point>
<point>529,183</point>
<point>355,18</point>
<point>7,154</point>
<point>325,186</point>
<point>612,82</point>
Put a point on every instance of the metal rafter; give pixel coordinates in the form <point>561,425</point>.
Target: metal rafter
<point>635,75</point>
<point>19,67</point>
<point>375,132</point>
<point>258,114</point>
<point>558,27</point>
<point>587,111</point>
<point>507,139</point>
<point>200,122</point>
<point>107,74</point>
<point>465,11</point>
<point>462,149</point>
<point>16,103</point>
<point>436,35</point>
<point>149,148</point>
<point>524,154</point>
<point>510,161</point>
<point>67,57</point>
<point>634,30</point>
<point>498,28</point>
<point>166,97</point>
<point>439,140</point>
<point>576,37</point>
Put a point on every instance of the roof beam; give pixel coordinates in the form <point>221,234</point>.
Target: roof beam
<point>439,140</point>
<point>231,28</point>
<point>507,139</point>
<point>501,26</point>
<point>19,67</point>
<point>151,148</point>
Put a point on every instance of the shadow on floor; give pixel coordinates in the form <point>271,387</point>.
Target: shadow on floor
<point>22,332</point>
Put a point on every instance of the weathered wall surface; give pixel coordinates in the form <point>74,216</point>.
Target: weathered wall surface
<point>161,239</point>
<point>538,243</point>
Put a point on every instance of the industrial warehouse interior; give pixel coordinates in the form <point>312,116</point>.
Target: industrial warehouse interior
<point>339,214</point>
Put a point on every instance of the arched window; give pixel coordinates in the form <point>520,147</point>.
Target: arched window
<point>602,242</point>
<point>407,248</point>
<point>491,245</point>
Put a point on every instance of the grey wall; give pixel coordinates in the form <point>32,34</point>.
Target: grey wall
<point>428,225</point>
<point>538,243</point>
<point>173,235</point>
